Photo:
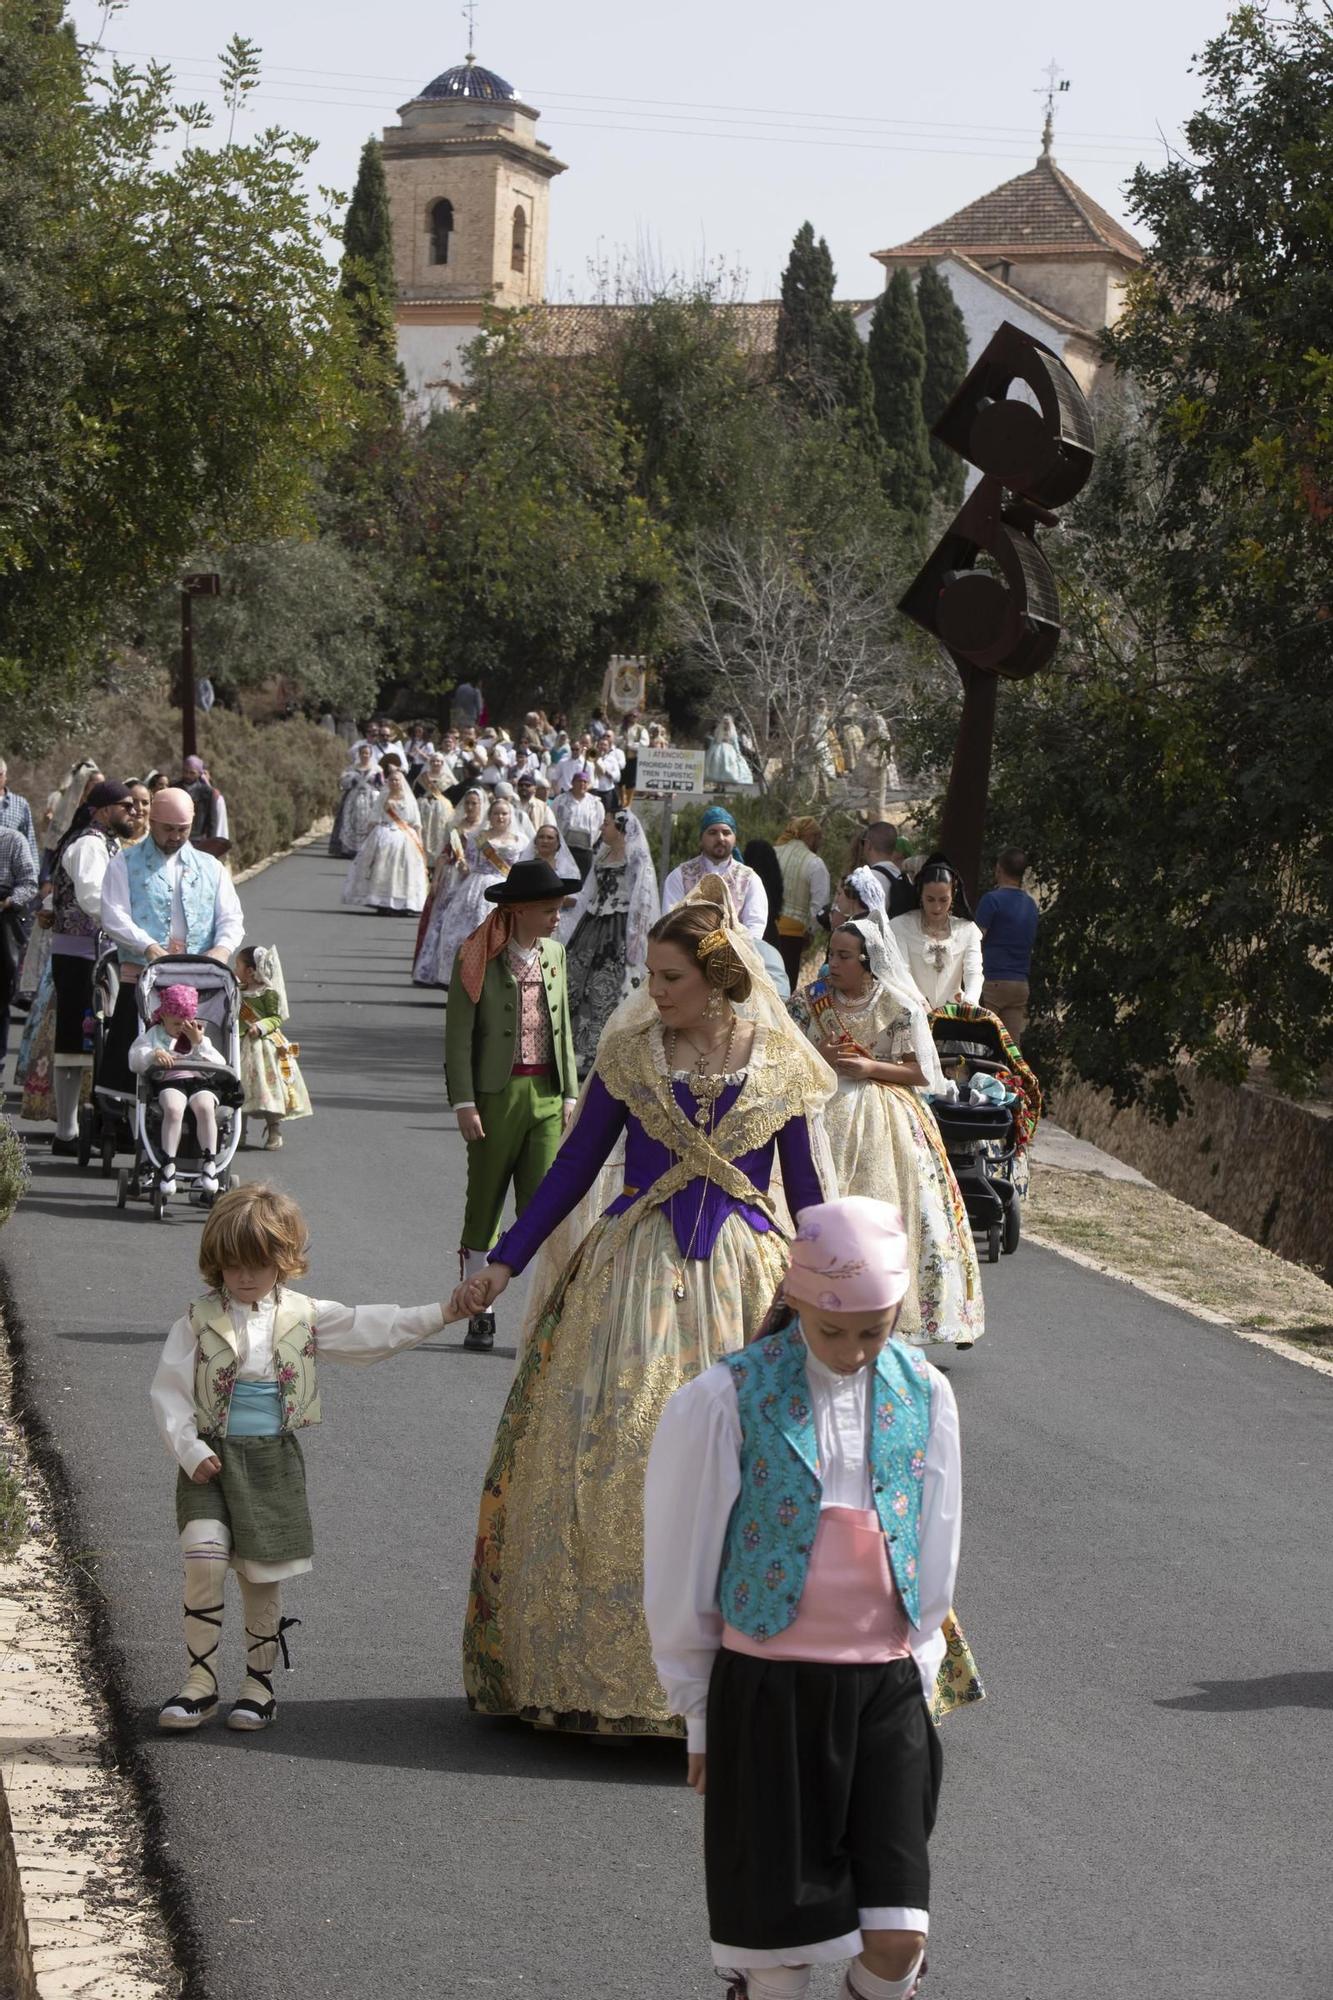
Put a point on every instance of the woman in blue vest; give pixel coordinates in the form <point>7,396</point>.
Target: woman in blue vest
<point>802,1515</point>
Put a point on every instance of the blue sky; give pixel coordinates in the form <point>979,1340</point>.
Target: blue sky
<point>700,134</point>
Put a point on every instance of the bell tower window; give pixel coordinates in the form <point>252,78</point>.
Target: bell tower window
<point>441,229</point>
<point>518,256</point>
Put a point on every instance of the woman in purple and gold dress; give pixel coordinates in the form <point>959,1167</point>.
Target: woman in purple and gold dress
<point>708,1080</point>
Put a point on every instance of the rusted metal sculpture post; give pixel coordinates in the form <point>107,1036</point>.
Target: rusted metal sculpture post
<point>987,592</point>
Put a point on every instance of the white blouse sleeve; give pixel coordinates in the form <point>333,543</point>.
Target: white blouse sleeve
<point>371,1333</point>
<point>693,1482</point>
<point>940,1529</point>
<point>172,1398</point>
<point>974,977</point>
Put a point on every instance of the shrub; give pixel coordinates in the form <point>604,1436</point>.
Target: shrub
<point>14,1176</point>
<point>278,778</point>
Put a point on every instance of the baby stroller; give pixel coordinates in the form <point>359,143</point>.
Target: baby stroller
<point>219,999</point>
<point>987,1142</point>
<point>106,1122</point>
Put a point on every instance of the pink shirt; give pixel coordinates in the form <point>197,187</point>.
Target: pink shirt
<point>850,1613</point>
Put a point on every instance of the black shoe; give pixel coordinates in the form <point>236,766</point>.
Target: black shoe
<point>480,1335</point>
<point>65,1149</point>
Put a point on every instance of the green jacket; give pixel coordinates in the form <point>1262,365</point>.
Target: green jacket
<point>479,1040</point>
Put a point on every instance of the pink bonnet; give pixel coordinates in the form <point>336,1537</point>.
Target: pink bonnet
<point>181,1001</point>
<point>849,1256</point>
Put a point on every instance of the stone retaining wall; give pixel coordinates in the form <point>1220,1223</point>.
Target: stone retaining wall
<point>1256,1161</point>
<point>16,1973</point>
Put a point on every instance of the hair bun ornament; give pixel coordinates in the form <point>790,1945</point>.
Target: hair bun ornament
<point>712,941</point>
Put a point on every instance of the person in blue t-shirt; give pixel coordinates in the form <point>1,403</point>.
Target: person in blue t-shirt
<point>1008,919</point>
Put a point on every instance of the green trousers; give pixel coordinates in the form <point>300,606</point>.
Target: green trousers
<point>524,1124</point>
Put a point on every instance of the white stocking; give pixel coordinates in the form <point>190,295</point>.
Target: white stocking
<point>777,1982</point>
<point>172,1106</point>
<point>68,1081</point>
<point>205,1108</point>
<point>474,1262</point>
<point>264,1627</point>
<point>866,1985</point>
<point>205,1545</point>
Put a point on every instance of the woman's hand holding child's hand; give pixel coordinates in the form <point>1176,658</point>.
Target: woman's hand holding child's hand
<point>207,1468</point>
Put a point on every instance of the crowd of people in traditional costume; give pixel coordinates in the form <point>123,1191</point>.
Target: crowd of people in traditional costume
<point>723,1498</point>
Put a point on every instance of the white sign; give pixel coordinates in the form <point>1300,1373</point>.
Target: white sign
<point>667,771</point>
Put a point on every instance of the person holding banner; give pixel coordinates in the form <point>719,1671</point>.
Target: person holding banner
<point>717,856</point>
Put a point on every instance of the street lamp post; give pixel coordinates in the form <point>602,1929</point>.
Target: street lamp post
<point>204,583</point>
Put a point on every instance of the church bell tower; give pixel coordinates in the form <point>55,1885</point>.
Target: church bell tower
<point>469,186</point>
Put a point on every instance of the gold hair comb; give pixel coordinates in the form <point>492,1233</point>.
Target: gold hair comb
<point>714,941</point>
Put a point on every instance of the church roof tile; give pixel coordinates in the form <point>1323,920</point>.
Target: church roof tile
<point>1041,212</point>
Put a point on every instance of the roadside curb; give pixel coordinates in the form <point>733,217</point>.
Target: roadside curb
<point>82,1915</point>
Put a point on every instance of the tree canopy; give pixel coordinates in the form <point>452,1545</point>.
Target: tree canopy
<point>946,365</point>
<point>897,357</point>
<point>1170,774</point>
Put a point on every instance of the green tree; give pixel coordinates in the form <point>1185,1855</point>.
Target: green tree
<point>946,365</point>
<point>820,358</point>
<point>532,555</point>
<point>1170,775</point>
<point>366,281</point>
<point>897,356</point>
<point>212,355</point>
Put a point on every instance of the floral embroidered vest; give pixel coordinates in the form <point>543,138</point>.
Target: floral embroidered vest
<point>70,919</point>
<point>150,895</point>
<point>772,1528</point>
<point>736,876</point>
<point>215,1363</point>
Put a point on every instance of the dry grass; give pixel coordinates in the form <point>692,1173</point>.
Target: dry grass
<point>1140,1232</point>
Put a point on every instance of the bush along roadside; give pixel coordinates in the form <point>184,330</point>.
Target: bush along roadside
<point>278,778</point>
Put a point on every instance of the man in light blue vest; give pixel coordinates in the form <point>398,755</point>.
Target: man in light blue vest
<point>801,1520</point>
<point>163,897</point>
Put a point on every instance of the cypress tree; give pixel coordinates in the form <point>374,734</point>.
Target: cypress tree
<point>946,365</point>
<point>821,360</point>
<point>366,280</point>
<point>897,355</point>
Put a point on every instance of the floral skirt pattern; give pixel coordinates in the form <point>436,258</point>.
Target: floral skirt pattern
<point>881,1148</point>
<point>555,1629</point>
<point>271,1078</point>
<point>598,980</point>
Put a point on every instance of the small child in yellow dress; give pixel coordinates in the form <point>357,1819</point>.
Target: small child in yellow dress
<point>274,1087</point>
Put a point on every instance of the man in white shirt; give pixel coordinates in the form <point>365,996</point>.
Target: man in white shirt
<point>163,897</point>
<point>579,817</point>
<point>717,856</point>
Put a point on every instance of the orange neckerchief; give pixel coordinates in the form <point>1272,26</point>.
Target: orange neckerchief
<point>484,944</point>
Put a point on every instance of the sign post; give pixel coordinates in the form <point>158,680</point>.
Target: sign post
<point>676,777</point>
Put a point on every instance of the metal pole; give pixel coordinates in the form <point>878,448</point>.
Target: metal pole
<point>965,803</point>
<point>189,746</point>
<point>664,865</point>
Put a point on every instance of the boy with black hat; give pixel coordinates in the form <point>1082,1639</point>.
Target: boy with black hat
<point>509,1056</point>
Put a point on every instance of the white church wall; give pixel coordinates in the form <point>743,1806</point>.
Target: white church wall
<point>431,358</point>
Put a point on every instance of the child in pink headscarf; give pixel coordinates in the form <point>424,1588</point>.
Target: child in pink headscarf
<point>184,1067</point>
<point>801,1541</point>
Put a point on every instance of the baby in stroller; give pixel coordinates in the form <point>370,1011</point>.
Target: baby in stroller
<point>182,1068</point>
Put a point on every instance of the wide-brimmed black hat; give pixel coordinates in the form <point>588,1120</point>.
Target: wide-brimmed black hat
<point>531,882</point>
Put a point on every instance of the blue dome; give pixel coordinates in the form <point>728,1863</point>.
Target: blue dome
<point>469,79</point>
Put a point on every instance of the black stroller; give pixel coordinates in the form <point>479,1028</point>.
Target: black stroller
<point>106,1122</point>
<point>986,1143</point>
<point>219,1011</point>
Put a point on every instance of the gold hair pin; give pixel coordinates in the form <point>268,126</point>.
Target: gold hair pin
<point>714,941</point>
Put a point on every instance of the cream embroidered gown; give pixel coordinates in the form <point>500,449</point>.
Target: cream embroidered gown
<point>886,1145</point>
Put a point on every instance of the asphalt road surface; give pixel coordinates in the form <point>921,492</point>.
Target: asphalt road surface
<point>1143,1806</point>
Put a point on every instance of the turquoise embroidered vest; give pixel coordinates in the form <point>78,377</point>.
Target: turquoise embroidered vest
<point>215,1363</point>
<point>771,1532</point>
<point>150,895</point>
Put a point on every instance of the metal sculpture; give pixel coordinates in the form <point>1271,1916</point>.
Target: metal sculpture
<point>987,592</point>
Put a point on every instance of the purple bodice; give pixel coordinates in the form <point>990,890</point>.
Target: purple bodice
<point>696,1213</point>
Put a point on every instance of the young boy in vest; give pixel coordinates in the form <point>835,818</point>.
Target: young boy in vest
<point>801,1541</point>
<point>235,1384</point>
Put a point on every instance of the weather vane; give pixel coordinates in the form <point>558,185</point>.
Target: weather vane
<point>1054,89</point>
<point>470,16</point>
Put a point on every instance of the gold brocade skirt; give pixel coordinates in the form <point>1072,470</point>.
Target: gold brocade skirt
<point>555,1630</point>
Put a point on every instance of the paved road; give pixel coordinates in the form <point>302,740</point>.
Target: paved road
<point>1145,1805</point>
